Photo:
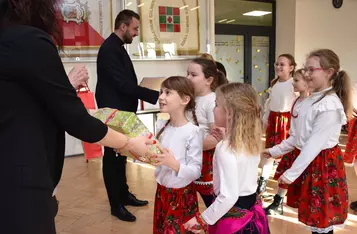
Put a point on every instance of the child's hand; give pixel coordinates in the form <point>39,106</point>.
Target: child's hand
<point>193,225</point>
<point>283,180</point>
<point>218,133</point>
<point>266,154</point>
<point>166,158</point>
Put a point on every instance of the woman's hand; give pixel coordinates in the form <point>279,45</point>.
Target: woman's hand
<point>138,146</point>
<point>166,158</point>
<point>266,154</point>
<point>78,76</point>
<point>283,180</point>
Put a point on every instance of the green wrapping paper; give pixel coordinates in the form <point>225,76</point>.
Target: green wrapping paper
<point>126,123</point>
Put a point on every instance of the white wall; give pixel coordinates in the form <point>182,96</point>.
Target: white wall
<point>317,24</point>
<point>285,27</point>
<point>320,25</point>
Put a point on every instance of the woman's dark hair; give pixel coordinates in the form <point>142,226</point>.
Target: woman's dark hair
<point>209,69</point>
<point>183,87</point>
<point>40,14</point>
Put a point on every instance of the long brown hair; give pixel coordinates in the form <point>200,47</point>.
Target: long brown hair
<point>291,63</point>
<point>341,83</point>
<point>183,87</point>
<point>40,14</point>
<point>209,69</point>
<point>244,130</point>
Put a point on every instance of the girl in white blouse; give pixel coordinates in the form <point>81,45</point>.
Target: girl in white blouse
<point>205,78</point>
<point>235,165</point>
<point>286,147</point>
<point>319,169</point>
<point>276,119</point>
<point>181,159</point>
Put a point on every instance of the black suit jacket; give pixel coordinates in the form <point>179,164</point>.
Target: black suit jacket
<point>37,105</point>
<point>117,85</point>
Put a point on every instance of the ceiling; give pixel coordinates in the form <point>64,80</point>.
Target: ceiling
<point>234,9</point>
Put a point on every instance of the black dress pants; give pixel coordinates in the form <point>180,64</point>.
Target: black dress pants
<point>114,173</point>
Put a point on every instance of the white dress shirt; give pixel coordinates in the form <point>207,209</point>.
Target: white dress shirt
<point>234,175</point>
<point>318,127</point>
<point>186,144</point>
<point>204,112</point>
<point>281,98</point>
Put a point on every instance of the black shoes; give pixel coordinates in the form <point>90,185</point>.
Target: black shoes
<point>353,206</point>
<point>276,207</point>
<point>123,214</point>
<point>133,201</point>
<point>262,185</point>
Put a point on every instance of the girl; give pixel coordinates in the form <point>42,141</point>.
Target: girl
<point>350,154</point>
<point>205,78</point>
<point>236,208</point>
<point>286,146</point>
<point>276,117</point>
<point>178,166</point>
<point>323,195</point>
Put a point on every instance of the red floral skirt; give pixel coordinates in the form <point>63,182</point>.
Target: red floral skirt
<point>204,185</point>
<point>323,195</point>
<point>173,208</point>
<point>351,146</point>
<point>277,128</point>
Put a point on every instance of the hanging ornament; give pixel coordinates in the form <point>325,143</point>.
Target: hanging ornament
<point>238,38</point>
<point>254,57</point>
<point>255,66</point>
<point>237,62</point>
<point>260,70</point>
<point>238,50</point>
<point>258,50</point>
<point>229,60</point>
<point>260,79</point>
<point>260,93</point>
<point>266,90</point>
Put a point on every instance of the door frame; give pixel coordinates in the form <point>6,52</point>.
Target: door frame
<point>248,31</point>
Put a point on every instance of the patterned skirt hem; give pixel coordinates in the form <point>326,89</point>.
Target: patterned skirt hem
<point>324,230</point>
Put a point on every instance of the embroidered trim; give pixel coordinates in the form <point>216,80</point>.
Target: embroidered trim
<point>324,230</point>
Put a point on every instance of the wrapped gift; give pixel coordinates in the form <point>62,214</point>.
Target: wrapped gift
<point>126,123</point>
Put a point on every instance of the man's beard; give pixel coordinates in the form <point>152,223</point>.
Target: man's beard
<point>127,39</point>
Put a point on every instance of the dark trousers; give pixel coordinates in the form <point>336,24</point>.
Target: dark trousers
<point>114,173</point>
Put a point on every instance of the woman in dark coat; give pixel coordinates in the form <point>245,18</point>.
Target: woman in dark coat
<point>37,105</point>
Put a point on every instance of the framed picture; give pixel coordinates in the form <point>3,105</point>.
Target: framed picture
<point>169,28</point>
<point>85,24</point>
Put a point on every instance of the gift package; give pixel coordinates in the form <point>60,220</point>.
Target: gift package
<point>129,124</point>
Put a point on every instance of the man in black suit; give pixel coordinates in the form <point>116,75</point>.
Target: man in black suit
<point>118,88</point>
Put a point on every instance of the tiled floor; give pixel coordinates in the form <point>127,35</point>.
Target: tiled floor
<point>84,207</point>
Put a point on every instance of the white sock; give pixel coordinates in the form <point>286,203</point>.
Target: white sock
<point>282,192</point>
<point>267,167</point>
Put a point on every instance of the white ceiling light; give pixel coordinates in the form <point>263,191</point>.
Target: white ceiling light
<point>129,3</point>
<point>183,7</point>
<point>221,21</point>
<point>192,9</point>
<point>142,4</point>
<point>230,21</point>
<point>257,13</point>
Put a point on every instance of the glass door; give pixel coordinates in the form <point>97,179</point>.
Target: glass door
<point>230,52</point>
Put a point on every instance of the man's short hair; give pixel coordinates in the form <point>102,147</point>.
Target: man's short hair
<point>125,17</point>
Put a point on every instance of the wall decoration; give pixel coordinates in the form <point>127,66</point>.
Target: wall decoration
<point>173,24</point>
<point>85,24</point>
